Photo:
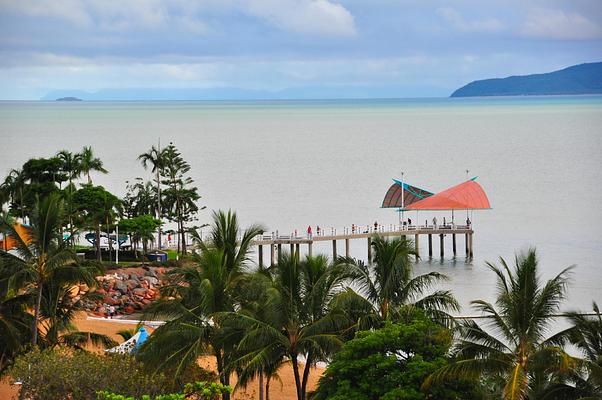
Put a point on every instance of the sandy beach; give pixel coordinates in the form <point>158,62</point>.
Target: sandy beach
<point>279,390</point>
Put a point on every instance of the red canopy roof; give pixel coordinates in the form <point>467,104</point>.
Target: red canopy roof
<point>465,196</point>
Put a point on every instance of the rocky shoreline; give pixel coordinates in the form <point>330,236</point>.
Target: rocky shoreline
<point>129,290</point>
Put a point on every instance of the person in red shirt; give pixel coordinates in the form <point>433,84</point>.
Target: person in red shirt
<point>309,231</point>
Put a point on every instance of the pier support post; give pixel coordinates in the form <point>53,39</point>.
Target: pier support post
<point>279,250</point>
<point>369,251</point>
<point>430,245</point>
<point>416,245</point>
<point>260,255</point>
<point>470,253</point>
<point>292,249</point>
<point>309,252</point>
<point>466,243</point>
<point>347,247</point>
<point>272,255</point>
<point>297,246</point>
<point>454,244</point>
<point>334,249</point>
<point>441,245</point>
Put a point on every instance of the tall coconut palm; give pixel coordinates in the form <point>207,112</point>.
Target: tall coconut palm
<point>511,344</point>
<point>155,158</point>
<point>296,320</point>
<point>72,168</point>
<point>89,162</point>
<point>585,334</point>
<point>199,293</point>
<point>386,288</point>
<point>42,256</point>
<point>13,190</point>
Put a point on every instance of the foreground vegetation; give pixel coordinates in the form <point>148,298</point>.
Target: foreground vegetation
<point>384,331</point>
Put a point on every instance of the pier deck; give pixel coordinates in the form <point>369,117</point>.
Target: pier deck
<point>275,241</point>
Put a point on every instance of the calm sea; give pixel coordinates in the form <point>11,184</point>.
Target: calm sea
<point>293,163</point>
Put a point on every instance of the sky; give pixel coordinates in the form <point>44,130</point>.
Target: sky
<point>415,48</point>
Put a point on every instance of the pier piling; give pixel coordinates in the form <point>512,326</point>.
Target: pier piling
<point>454,244</point>
<point>416,245</point>
<point>441,244</point>
<point>347,247</point>
<point>260,255</point>
<point>430,245</point>
<point>334,249</point>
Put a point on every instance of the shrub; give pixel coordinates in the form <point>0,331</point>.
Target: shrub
<point>60,374</point>
<point>391,363</point>
<point>196,390</point>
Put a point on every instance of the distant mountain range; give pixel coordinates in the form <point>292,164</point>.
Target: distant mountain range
<point>578,79</point>
<point>316,92</point>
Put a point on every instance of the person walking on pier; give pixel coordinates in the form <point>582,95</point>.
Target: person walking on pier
<point>435,222</point>
<point>353,228</point>
<point>309,231</point>
<point>375,226</point>
<point>409,221</point>
<point>318,230</point>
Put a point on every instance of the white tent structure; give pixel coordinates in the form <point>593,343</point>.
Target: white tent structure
<point>130,345</point>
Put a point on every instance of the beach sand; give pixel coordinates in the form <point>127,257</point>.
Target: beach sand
<point>279,390</point>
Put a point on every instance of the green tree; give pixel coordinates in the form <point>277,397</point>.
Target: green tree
<point>180,195</point>
<point>71,167</point>
<point>516,350</point>
<point>98,206</point>
<point>584,380</point>
<point>88,162</point>
<point>391,363</point>
<point>13,191</point>
<point>57,374</point>
<point>200,292</point>
<point>42,257</point>
<point>156,160</point>
<point>141,229</point>
<point>387,288</point>
<point>296,320</point>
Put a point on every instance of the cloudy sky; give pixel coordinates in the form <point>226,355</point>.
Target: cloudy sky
<point>420,48</point>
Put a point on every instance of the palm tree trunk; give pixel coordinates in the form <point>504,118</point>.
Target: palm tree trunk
<point>36,316</point>
<point>267,387</point>
<point>159,208</point>
<point>98,253</point>
<point>297,377</point>
<point>110,243</point>
<point>305,376</point>
<point>261,385</point>
<point>223,377</point>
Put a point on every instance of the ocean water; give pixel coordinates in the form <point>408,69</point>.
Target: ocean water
<point>289,164</point>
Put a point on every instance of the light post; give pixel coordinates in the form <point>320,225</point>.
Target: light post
<point>402,199</point>
<point>117,240</point>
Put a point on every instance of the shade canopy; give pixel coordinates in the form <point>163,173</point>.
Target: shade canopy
<point>468,195</point>
<point>411,194</point>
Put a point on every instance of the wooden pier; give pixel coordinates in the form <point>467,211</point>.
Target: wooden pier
<point>276,241</point>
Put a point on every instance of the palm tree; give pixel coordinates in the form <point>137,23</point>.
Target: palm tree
<point>72,168</point>
<point>59,308</point>
<point>12,189</point>
<point>296,319</point>
<point>42,257</point>
<point>387,289</point>
<point>200,292</point>
<point>154,157</point>
<point>89,163</point>
<point>179,194</point>
<point>585,334</point>
<point>515,348</point>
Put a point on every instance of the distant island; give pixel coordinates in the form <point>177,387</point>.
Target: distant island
<point>69,98</point>
<point>578,79</point>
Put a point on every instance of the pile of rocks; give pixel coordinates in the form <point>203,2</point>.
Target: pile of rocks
<point>128,290</point>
